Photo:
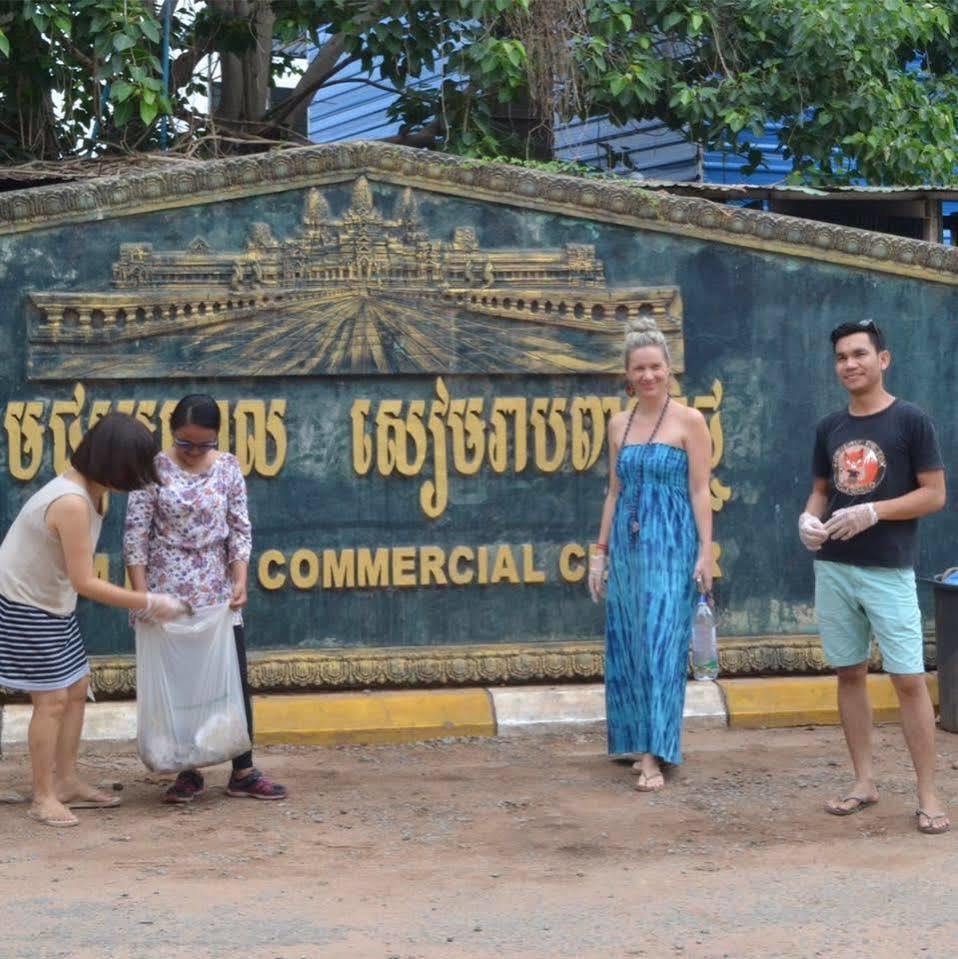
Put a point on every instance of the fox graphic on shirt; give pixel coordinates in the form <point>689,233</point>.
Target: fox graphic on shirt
<point>858,467</point>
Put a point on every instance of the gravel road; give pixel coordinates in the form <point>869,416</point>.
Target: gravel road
<point>532,848</point>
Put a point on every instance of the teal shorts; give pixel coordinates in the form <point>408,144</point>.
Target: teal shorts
<point>852,603</point>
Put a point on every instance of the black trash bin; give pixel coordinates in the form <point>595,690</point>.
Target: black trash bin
<point>946,646</point>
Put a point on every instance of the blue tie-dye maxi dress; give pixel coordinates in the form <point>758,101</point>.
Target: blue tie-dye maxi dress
<point>651,599</point>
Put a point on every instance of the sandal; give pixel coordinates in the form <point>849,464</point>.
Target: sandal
<point>835,808</point>
<point>645,780</point>
<point>50,821</point>
<point>108,802</point>
<point>936,825</point>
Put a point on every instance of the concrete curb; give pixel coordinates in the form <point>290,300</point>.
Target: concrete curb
<point>414,715</point>
<point>400,716</point>
<point>806,700</point>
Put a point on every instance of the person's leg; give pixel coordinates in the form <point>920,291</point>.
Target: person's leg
<point>918,726</point>
<point>49,708</point>
<point>892,606</point>
<point>71,790</point>
<point>855,711</point>
<point>650,778</point>
<point>243,765</point>
<point>247,781</point>
<point>844,629</point>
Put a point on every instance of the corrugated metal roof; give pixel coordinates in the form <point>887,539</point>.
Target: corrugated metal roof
<point>761,191</point>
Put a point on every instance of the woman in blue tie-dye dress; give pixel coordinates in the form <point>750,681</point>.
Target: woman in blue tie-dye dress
<point>656,534</point>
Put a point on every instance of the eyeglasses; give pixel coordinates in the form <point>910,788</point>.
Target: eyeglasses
<point>199,447</point>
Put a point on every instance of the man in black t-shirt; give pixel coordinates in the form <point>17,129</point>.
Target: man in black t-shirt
<point>877,470</point>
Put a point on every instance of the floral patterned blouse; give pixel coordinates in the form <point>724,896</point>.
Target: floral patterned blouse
<point>188,531</point>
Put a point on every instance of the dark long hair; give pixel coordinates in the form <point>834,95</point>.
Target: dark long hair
<point>117,453</point>
<point>197,409</point>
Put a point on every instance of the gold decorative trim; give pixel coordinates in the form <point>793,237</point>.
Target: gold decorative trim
<point>513,664</point>
<point>364,293</point>
<point>189,184</point>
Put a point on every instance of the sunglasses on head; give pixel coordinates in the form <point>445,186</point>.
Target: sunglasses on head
<point>860,326</point>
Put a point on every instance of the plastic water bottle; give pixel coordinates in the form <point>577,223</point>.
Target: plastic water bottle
<point>704,645</point>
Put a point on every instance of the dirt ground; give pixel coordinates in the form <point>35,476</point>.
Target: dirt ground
<point>529,847</point>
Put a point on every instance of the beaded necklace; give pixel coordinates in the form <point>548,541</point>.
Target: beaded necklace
<point>634,514</point>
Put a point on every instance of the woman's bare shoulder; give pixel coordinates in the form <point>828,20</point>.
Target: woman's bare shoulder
<point>617,423</point>
<point>690,415</point>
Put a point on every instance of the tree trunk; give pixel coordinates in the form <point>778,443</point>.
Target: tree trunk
<point>244,76</point>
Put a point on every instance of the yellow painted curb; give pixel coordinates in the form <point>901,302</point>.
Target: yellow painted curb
<point>382,717</point>
<point>805,700</point>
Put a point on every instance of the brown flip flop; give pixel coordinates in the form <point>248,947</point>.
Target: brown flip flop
<point>943,825</point>
<point>860,803</point>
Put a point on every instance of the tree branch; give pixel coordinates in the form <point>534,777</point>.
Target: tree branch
<point>324,65</point>
<point>365,82</point>
<point>424,137</point>
<point>184,66</point>
<point>77,53</point>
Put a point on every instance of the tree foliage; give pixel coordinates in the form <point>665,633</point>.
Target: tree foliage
<point>855,88</point>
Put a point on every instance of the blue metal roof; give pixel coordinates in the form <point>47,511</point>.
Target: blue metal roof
<point>352,109</point>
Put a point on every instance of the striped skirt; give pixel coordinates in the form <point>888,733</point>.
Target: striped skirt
<point>39,651</point>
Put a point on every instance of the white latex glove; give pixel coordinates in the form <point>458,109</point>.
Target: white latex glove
<point>161,608</point>
<point>849,522</point>
<point>597,576</point>
<point>811,531</point>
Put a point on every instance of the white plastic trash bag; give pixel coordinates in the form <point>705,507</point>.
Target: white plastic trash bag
<point>189,694</point>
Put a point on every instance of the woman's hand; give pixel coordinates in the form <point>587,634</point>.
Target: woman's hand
<point>238,599</point>
<point>702,574</point>
<point>597,576</point>
<point>161,608</point>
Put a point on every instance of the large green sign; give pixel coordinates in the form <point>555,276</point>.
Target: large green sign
<point>417,359</point>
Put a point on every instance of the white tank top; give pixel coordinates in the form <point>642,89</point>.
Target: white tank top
<point>32,567</point>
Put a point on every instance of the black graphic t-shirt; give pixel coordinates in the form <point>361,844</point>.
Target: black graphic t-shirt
<point>872,458</point>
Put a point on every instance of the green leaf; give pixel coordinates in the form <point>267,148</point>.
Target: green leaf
<point>4,44</point>
<point>671,19</point>
<point>121,90</point>
<point>122,41</point>
<point>515,54</point>
<point>735,121</point>
<point>123,113</point>
<point>148,112</point>
<point>150,30</point>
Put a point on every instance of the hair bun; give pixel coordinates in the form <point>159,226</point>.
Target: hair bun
<point>641,324</point>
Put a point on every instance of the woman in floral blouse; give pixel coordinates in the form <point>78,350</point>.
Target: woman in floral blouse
<point>190,537</point>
